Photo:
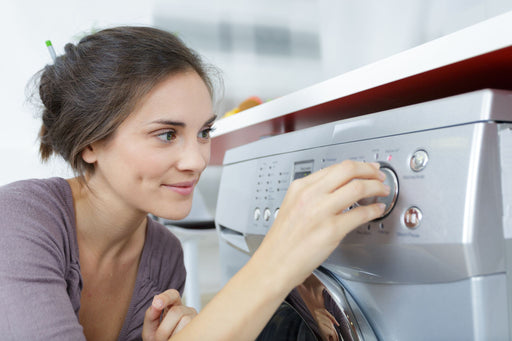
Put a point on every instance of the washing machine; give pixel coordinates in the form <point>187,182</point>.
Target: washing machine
<point>436,266</point>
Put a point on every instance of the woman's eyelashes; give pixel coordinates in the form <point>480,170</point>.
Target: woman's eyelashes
<point>167,136</point>
<point>171,134</point>
<point>205,134</point>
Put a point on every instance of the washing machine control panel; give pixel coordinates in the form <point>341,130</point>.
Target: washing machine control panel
<point>275,174</point>
<point>443,218</point>
<point>445,239</point>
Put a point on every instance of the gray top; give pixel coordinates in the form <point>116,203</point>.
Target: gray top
<point>40,280</point>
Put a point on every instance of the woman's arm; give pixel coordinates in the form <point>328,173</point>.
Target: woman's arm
<point>310,225</point>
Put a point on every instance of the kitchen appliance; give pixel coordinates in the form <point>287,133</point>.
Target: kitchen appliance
<point>436,266</point>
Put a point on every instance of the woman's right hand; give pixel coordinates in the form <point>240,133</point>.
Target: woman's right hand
<point>312,222</point>
<point>310,225</point>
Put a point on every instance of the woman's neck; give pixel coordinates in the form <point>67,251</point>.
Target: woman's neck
<point>105,227</point>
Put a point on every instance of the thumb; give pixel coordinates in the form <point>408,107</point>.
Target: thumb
<point>152,319</point>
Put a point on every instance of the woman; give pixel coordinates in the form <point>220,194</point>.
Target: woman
<point>130,109</point>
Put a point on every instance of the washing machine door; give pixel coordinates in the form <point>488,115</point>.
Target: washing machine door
<point>318,309</point>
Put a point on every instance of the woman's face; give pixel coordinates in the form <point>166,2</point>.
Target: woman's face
<point>155,158</point>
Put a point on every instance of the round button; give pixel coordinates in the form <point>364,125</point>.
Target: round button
<point>276,212</point>
<point>390,200</point>
<point>419,160</point>
<point>413,217</point>
<point>266,214</point>
<point>257,213</point>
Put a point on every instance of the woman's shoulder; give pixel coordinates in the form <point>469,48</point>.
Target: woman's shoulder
<point>30,189</point>
<point>43,202</point>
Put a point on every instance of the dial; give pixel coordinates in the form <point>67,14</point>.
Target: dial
<point>390,200</point>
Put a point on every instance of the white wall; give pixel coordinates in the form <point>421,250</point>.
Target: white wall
<point>341,35</point>
<point>264,48</point>
<point>26,25</point>
<point>356,33</point>
<point>352,34</point>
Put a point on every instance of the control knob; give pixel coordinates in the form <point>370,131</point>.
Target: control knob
<point>390,200</point>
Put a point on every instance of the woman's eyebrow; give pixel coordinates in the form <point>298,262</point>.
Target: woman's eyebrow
<point>182,124</point>
<point>170,123</point>
<point>211,120</point>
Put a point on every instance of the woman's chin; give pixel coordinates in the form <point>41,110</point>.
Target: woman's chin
<point>182,214</point>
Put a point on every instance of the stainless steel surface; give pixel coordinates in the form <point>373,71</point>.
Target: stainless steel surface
<point>360,328</point>
<point>478,106</point>
<point>444,248</point>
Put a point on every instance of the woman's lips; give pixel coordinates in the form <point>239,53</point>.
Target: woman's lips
<point>183,188</point>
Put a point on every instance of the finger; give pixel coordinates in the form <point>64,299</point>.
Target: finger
<point>327,328</point>
<point>331,178</point>
<point>152,318</point>
<point>358,216</point>
<point>333,319</point>
<point>170,298</point>
<point>160,303</point>
<point>171,321</point>
<point>349,169</point>
<point>354,191</point>
<point>326,317</point>
<point>184,321</point>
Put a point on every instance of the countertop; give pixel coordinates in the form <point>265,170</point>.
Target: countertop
<point>477,57</point>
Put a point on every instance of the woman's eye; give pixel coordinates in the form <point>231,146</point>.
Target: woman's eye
<point>167,136</point>
<point>205,133</point>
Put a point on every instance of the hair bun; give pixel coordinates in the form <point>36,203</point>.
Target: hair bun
<point>70,52</point>
<point>90,89</point>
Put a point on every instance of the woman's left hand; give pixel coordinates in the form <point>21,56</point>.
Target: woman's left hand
<point>166,316</point>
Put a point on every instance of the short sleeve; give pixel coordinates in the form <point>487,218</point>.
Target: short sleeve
<point>35,265</point>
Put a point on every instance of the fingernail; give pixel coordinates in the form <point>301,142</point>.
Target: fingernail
<point>382,206</point>
<point>375,164</point>
<point>382,176</point>
<point>157,303</point>
<point>388,189</point>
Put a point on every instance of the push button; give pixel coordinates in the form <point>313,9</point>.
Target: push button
<point>267,214</point>
<point>419,160</point>
<point>413,217</point>
<point>257,214</point>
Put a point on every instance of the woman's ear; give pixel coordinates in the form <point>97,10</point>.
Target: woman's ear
<point>88,154</point>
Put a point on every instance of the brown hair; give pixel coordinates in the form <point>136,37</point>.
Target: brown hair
<point>89,90</point>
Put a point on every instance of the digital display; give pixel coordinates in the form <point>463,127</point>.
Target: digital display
<point>299,175</point>
<point>302,169</point>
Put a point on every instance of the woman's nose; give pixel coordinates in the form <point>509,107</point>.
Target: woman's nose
<point>194,157</point>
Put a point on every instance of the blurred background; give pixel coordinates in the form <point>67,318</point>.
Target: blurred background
<point>264,48</point>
